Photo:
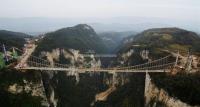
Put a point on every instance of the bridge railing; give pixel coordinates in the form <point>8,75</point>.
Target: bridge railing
<point>34,61</point>
<point>161,63</point>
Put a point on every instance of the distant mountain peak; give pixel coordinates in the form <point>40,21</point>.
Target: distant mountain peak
<point>84,26</point>
<point>168,29</point>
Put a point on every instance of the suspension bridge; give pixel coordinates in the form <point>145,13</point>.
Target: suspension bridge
<point>26,61</point>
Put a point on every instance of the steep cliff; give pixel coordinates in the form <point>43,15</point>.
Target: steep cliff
<point>21,89</point>
<point>156,97</point>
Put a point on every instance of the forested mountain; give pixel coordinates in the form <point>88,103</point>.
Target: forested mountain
<point>165,38</point>
<point>80,37</point>
<point>10,38</point>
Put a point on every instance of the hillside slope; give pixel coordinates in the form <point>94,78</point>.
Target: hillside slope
<point>80,37</point>
<point>166,38</point>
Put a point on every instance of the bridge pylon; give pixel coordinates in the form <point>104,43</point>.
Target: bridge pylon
<point>114,78</point>
<point>146,89</point>
<point>189,61</point>
<point>177,57</point>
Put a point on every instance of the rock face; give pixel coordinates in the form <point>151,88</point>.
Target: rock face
<point>153,95</point>
<point>133,56</point>
<point>71,58</point>
<point>29,87</point>
<point>103,95</point>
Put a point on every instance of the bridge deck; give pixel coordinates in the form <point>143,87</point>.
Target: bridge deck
<point>88,70</point>
<point>99,55</point>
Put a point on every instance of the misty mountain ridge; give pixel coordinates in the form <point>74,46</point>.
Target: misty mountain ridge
<point>114,39</point>
<point>120,24</point>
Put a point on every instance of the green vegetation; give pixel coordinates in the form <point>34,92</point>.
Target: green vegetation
<point>81,37</point>
<point>185,87</point>
<point>182,48</point>
<point>15,54</point>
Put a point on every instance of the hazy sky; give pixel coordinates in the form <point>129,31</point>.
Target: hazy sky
<point>48,15</point>
<point>173,9</point>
